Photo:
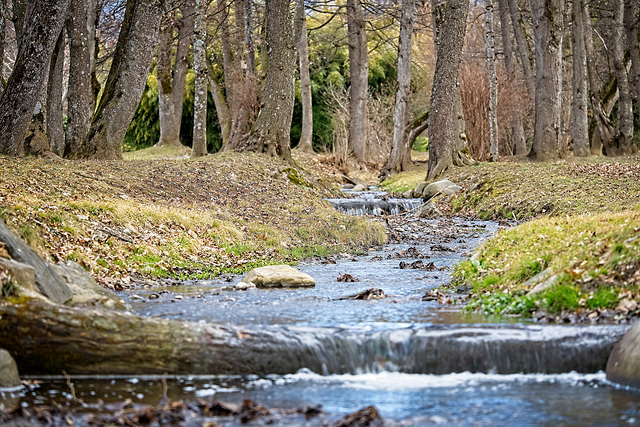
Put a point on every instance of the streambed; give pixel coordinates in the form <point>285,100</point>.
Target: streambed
<point>420,362</point>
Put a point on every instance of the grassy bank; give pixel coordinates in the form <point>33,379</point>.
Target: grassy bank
<point>575,254</point>
<point>174,218</point>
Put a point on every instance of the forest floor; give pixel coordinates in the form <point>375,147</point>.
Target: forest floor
<point>574,253</point>
<point>180,218</point>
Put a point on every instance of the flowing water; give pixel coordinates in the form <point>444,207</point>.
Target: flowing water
<point>419,362</point>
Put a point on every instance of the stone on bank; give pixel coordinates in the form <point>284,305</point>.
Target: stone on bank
<point>9,377</point>
<point>623,366</point>
<point>278,276</point>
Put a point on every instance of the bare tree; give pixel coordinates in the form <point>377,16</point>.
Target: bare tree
<point>54,116</point>
<point>26,83</point>
<point>524,48</point>
<point>548,34</point>
<point>509,61</point>
<point>580,95</point>
<point>624,143</point>
<point>493,81</point>
<point>199,147</point>
<point>169,129</point>
<point>359,72</point>
<point>222,109</point>
<point>300,30</point>
<point>632,18</point>
<point>400,157</point>
<point>81,97</point>
<point>126,81</point>
<point>271,132</point>
<point>450,26</point>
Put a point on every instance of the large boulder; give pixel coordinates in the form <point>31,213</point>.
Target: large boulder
<point>444,186</point>
<point>623,366</point>
<point>86,291</point>
<point>278,276</point>
<point>9,377</point>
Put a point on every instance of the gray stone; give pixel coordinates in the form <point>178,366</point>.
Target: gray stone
<point>359,187</point>
<point>417,192</point>
<point>9,377</point>
<point>428,210</point>
<point>545,281</point>
<point>623,366</point>
<point>85,289</point>
<point>278,276</point>
<point>444,186</point>
<point>24,276</point>
<point>407,194</point>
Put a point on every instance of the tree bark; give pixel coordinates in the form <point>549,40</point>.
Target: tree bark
<point>126,81</point>
<point>359,73</point>
<point>248,37</point>
<point>169,129</point>
<point>547,24</point>
<point>300,19</point>
<point>624,143</point>
<point>450,26</point>
<point>493,81</point>
<point>185,36</point>
<point>524,49</point>
<point>199,146</point>
<point>26,84</point>
<point>519,140</point>
<point>632,17</point>
<point>597,137</point>
<point>54,117</point>
<point>271,132</point>
<point>400,157</point>
<point>580,95</point>
<point>81,28</point>
<point>222,110</point>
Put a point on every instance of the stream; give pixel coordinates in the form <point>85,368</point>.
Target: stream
<point>420,362</point>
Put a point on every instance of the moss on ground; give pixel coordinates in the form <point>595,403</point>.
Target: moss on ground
<point>578,232</point>
<point>173,218</point>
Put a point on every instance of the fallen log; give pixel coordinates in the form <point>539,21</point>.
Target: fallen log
<point>47,339</point>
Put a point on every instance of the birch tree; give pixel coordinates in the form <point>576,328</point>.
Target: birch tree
<point>302,42</point>
<point>199,147</point>
<point>493,81</point>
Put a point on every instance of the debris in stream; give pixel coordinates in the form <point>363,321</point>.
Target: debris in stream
<point>366,417</point>
<point>441,248</point>
<point>369,294</point>
<point>418,265</point>
<point>347,278</point>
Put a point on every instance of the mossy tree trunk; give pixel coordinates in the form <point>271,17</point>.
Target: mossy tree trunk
<point>126,81</point>
<point>26,84</point>
<point>169,129</point>
<point>359,75</point>
<point>199,146</point>
<point>302,41</point>
<point>271,132</point>
<point>55,92</point>
<point>450,24</point>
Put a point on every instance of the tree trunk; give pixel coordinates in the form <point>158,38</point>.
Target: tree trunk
<point>126,81</point>
<point>4,17</point>
<point>400,157</point>
<point>169,129</point>
<point>185,36</point>
<point>81,28</point>
<point>632,16</point>
<point>300,19</point>
<point>222,110</point>
<point>248,37</point>
<point>596,141</point>
<point>624,144</point>
<point>26,84</point>
<point>493,81</point>
<point>359,73</point>
<point>199,147</point>
<point>547,24</point>
<point>271,131</point>
<point>54,117</point>
<point>524,49</point>
<point>519,139</point>
<point>580,95</point>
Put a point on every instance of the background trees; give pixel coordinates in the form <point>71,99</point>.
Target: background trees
<point>89,77</point>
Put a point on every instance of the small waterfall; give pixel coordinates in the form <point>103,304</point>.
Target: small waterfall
<point>494,349</point>
<point>371,203</point>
